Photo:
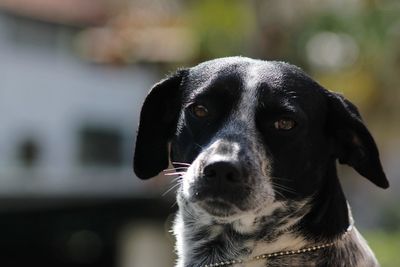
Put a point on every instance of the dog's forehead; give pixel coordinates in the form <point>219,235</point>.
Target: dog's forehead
<point>257,77</point>
<point>235,68</point>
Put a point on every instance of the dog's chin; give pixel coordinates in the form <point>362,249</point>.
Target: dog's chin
<point>218,208</point>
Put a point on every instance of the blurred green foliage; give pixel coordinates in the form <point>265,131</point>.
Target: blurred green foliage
<point>390,218</point>
<point>222,27</point>
<point>386,246</point>
<point>283,30</point>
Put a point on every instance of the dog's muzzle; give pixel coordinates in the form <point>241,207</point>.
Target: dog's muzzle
<point>221,183</point>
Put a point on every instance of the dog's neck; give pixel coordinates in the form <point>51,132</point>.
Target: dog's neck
<point>201,239</point>
<point>330,214</point>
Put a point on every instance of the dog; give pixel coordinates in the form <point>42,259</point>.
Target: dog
<point>254,144</point>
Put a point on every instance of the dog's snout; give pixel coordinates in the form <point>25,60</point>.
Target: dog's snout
<point>221,175</point>
<point>223,172</point>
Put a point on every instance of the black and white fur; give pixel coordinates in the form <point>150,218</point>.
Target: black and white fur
<point>248,187</point>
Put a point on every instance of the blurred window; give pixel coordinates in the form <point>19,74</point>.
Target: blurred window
<point>101,146</point>
<point>28,153</point>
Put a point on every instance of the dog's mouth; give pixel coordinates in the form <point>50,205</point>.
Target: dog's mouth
<point>218,207</point>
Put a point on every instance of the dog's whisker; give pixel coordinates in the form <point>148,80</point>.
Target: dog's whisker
<point>174,173</point>
<point>281,195</point>
<point>178,178</point>
<point>200,146</point>
<point>288,189</point>
<point>281,178</point>
<point>173,205</point>
<point>282,186</point>
<point>174,169</point>
<point>279,186</point>
<point>283,189</point>
<point>170,189</point>
<point>182,167</point>
<point>181,163</point>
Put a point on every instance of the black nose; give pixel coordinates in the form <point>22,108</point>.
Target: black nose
<point>223,172</point>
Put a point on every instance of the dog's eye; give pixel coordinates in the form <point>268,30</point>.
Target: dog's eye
<point>284,124</point>
<point>199,111</point>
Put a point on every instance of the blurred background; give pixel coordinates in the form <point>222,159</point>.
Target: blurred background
<point>74,73</point>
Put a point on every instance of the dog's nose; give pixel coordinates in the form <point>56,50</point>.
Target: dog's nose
<point>224,172</point>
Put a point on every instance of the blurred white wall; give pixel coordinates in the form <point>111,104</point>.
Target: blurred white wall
<point>48,95</point>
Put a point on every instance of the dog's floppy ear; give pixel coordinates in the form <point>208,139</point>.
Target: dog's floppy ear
<point>353,143</point>
<point>158,119</point>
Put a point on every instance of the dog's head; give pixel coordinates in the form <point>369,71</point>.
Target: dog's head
<point>249,132</point>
